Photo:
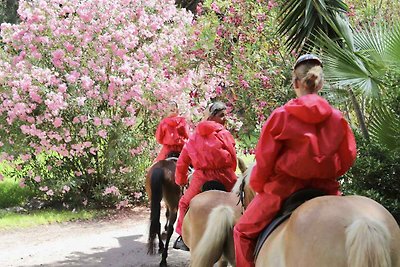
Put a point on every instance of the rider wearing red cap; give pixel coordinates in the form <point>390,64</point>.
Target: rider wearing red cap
<point>211,152</point>
<point>172,132</point>
<point>304,144</point>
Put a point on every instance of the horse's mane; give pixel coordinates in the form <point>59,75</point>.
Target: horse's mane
<point>245,176</point>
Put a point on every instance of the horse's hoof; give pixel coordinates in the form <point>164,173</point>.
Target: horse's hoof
<point>164,235</point>
<point>163,263</point>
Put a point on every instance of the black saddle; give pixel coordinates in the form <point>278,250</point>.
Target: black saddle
<point>290,204</point>
<point>213,185</point>
<point>173,154</point>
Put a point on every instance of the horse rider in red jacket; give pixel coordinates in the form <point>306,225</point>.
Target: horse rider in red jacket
<point>304,144</point>
<point>172,132</point>
<point>211,151</point>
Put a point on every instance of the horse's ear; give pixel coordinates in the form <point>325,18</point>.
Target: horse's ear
<point>242,166</point>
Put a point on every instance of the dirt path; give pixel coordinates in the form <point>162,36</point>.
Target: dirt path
<point>112,242</point>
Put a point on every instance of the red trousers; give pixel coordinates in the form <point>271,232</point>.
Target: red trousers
<point>264,207</point>
<point>166,149</point>
<point>195,188</point>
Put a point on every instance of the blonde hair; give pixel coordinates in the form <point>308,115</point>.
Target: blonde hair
<point>310,75</point>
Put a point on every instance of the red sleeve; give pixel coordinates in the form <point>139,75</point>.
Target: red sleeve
<point>229,142</point>
<point>347,150</point>
<point>160,133</point>
<point>182,167</point>
<point>267,150</point>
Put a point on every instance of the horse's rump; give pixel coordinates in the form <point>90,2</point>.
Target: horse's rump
<point>197,220</point>
<point>317,232</point>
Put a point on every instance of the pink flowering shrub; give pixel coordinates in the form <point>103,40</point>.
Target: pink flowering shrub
<point>236,41</point>
<point>83,84</point>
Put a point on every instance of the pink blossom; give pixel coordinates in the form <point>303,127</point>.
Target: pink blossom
<point>66,188</point>
<point>43,188</point>
<point>22,183</point>
<point>215,7</point>
<point>122,204</point>
<point>102,133</point>
<point>37,179</point>
<point>97,121</point>
<point>57,122</point>
<point>138,195</point>
<point>50,192</point>
<point>58,56</point>
<point>111,190</point>
<point>26,157</point>
<point>1,177</point>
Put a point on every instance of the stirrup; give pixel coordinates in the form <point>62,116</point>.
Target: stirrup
<point>180,244</point>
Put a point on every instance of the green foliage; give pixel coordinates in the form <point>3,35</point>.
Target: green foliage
<point>11,194</point>
<point>375,174</point>
<point>8,11</point>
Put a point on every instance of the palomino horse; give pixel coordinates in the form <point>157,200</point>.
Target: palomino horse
<point>160,184</point>
<point>195,222</point>
<point>333,231</point>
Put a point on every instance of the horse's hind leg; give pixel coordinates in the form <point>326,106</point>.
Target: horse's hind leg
<point>167,216</point>
<point>164,233</point>
<point>170,231</point>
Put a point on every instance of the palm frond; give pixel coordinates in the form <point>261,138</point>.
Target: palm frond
<point>392,53</point>
<point>344,68</point>
<point>301,19</point>
<point>385,127</point>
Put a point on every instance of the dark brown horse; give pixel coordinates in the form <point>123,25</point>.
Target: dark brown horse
<point>160,185</point>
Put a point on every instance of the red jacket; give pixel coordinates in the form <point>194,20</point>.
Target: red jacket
<point>172,131</point>
<point>304,139</point>
<point>211,152</point>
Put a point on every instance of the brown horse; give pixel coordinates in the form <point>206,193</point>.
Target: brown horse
<point>204,207</point>
<point>160,184</point>
<point>325,231</point>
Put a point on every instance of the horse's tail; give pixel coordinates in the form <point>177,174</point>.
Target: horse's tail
<point>156,184</point>
<point>216,237</point>
<point>368,244</point>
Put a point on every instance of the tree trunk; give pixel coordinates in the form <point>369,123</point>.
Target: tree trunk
<point>359,114</point>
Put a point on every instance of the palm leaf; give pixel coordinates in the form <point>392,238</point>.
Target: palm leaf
<point>392,53</point>
<point>385,127</point>
<point>301,19</point>
<point>344,68</point>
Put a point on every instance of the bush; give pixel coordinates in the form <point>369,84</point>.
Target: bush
<point>375,174</point>
<point>82,85</point>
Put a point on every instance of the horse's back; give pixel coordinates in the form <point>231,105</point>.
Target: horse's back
<point>315,234</point>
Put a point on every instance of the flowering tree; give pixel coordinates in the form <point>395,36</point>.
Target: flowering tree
<point>83,84</point>
<point>237,45</point>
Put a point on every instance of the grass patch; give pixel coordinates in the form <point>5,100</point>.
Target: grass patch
<point>12,220</point>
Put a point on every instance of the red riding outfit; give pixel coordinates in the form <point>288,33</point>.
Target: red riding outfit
<point>304,144</point>
<point>172,133</point>
<point>211,152</point>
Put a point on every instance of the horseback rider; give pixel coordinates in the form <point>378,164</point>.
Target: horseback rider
<point>172,132</point>
<point>211,151</point>
<point>304,144</point>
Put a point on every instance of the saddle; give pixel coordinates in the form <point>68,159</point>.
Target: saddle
<point>288,207</point>
<point>213,185</point>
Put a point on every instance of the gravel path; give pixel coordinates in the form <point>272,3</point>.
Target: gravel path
<point>111,242</point>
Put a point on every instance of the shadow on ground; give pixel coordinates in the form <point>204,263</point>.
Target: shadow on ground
<point>131,252</point>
